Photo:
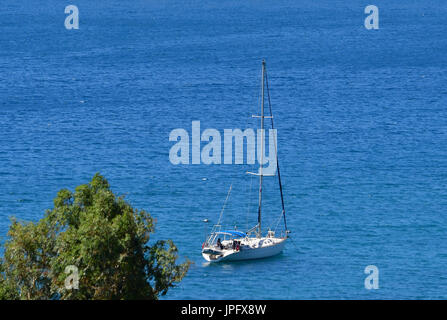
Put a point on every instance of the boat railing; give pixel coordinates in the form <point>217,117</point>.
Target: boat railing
<point>212,236</point>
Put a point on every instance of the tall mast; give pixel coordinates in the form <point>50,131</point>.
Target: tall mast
<point>262,150</point>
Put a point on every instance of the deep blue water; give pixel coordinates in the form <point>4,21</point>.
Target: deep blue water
<point>361,117</point>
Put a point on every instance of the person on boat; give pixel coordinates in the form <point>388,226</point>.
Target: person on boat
<point>219,244</point>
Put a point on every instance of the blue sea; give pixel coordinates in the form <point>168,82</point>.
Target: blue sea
<point>361,118</point>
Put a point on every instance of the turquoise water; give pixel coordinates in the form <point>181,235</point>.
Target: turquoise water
<point>361,117</point>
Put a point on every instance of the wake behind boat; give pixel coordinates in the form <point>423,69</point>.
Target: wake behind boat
<point>234,245</point>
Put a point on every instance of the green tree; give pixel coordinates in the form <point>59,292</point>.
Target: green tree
<point>102,236</point>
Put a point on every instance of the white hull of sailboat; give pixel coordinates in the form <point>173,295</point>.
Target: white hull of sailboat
<point>247,252</point>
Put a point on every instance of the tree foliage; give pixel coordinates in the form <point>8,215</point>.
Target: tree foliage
<point>102,236</point>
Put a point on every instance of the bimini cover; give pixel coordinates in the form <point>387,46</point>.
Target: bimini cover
<point>234,233</point>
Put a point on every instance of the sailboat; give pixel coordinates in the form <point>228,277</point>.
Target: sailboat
<point>234,245</point>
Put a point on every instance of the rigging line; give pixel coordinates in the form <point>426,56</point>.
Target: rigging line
<point>225,203</point>
<point>250,199</point>
<point>277,221</point>
<point>276,152</point>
